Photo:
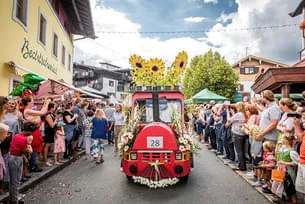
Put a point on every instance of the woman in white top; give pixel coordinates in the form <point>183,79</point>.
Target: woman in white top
<point>286,124</point>
<point>13,117</point>
<point>12,120</point>
<point>119,123</point>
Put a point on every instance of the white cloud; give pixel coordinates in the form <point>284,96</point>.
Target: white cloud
<point>268,43</point>
<point>194,19</point>
<point>116,48</point>
<point>210,1</point>
<point>273,44</point>
<point>225,17</point>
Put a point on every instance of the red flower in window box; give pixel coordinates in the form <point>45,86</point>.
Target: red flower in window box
<point>302,26</point>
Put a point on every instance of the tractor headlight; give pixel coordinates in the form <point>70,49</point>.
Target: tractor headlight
<point>133,156</point>
<point>178,156</point>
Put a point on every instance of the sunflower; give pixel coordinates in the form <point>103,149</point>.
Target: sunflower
<point>180,62</point>
<point>156,67</point>
<point>137,62</point>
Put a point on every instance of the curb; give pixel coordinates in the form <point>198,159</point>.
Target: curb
<point>42,176</point>
<point>270,197</point>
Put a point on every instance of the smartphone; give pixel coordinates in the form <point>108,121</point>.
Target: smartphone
<point>294,115</point>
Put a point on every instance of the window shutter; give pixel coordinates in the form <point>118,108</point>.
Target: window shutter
<point>256,69</point>
<point>242,70</point>
<point>241,87</point>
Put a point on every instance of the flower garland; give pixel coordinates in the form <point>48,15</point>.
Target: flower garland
<point>155,184</point>
<point>186,139</point>
<point>132,129</point>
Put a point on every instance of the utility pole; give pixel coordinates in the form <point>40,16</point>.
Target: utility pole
<point>247,51</point>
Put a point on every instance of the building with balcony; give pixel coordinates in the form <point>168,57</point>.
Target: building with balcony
<point>289,81</point>
<point>249,68</point>
<point>105,80</point>
<point>37,37</point>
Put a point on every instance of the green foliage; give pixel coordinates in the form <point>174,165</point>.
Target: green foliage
<point>210,71</point>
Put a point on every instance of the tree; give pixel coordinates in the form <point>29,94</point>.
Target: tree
<point>210,71</point>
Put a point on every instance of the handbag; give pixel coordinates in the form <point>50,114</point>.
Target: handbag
<point>277,175</point>
<point>277,188</point>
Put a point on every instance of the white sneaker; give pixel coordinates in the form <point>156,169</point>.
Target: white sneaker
<point>250,174</point>
<point>257,184</point>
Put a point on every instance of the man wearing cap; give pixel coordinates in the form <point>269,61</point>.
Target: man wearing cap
<point>269,118</point>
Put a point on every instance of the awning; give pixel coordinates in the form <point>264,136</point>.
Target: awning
<point>93,91</point>
<point>205,96</point>
<point>294,96</point>
<point>20,71</point>
<point>54,88</point>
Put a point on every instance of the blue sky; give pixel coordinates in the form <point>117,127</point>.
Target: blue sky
<point>138,16</point>
<point>169,15</point>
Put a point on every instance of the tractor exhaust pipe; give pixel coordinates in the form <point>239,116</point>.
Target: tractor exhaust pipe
<point>155,103</point>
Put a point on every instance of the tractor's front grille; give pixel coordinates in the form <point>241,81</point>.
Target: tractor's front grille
<point>156,156</point>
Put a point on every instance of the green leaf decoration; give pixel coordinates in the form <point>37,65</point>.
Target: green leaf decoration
<point>32,78</point>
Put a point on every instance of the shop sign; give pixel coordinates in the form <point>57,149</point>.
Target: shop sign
<point>32,54</point>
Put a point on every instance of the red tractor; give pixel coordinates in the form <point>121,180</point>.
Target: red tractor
<point>155,153</point>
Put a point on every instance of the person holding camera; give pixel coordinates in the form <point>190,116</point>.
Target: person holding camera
<point>34,116</point>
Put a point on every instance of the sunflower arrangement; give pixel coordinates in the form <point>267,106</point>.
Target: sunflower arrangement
<point>153,72</point>
<point>139,65</point>
<point>180,62</point>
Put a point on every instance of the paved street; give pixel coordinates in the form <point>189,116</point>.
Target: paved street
<point>84,182</point>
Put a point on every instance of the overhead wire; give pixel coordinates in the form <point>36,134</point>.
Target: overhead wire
<point>270,27</point>
<point>120,33</point>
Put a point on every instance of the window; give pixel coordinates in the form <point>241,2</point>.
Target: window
<point>55,45</point>
<point>15,81</point>
<point>248,70</point>
<point>120,87</point>
<point>63,55</point>
<point>42,29</point>
<point>69,63</point>
<point>167,109</point>
<point>20,12</point>
<point>111,83</point>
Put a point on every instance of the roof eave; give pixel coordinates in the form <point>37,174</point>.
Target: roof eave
<point>298,10</point>
<point>80,15</point>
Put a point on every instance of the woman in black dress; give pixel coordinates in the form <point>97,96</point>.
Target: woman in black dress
<point>50,123</point>
<point>70,121</point>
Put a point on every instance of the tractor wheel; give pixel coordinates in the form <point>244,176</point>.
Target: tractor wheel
<point>184,179</point>
<point>129,178</point>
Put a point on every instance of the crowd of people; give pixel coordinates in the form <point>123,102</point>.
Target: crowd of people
<point>266,133</point>
<point>263,136</point>
<point>58,128</point>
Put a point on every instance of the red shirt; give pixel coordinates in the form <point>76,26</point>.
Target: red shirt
<point>37,141</point>
<point>19,143</point>
<point>302,150</point>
